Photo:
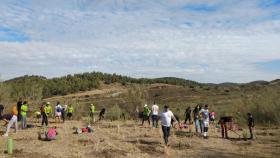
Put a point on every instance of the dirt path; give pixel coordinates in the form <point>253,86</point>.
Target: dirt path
<point>136,141</point>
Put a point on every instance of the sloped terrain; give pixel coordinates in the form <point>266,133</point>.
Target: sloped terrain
<point>137,141</point>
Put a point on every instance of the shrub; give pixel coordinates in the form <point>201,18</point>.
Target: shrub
<point>114,113</point>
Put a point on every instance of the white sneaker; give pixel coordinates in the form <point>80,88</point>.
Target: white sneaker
<point>5,135</point>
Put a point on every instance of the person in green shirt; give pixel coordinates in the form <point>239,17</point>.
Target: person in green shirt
<point>92,112</point>
<point>24,109</point>
<point>48,109</point>
<point>70,111</point>
<point>146,114</point>
<point>45,109</point>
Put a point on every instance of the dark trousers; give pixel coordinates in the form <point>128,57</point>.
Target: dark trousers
<point>63,113</point>
<point>251,132</point>
<point>201,125</point>
<point>188,118</point>
<point>155,120</point>
<point>224,130</point>
<point>44,119</point>
<point>205,129</point>
<point>101,117</point>
<point>146,118</point>
<point>166,133</point>
<point>19,117</point>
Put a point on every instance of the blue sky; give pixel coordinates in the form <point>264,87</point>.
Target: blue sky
<point>270,66</point>
<point>10,35</point>
<point>202,40</point>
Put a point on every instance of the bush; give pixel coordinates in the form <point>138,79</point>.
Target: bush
<point>114,113</point>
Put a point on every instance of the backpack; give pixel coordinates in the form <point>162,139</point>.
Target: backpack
<point>58,109</point>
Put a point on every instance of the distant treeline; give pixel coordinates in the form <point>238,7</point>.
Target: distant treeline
<point>26,86</point>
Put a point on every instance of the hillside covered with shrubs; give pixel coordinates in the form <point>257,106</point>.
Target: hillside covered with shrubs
<point>26,86</point>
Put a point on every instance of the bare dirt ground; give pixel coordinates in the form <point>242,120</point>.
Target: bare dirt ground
<point>133,140</point>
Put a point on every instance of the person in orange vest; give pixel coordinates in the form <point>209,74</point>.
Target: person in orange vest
<point>11,119</point>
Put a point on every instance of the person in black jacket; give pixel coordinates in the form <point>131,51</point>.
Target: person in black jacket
<point>188,114</point>
<point>251,124</point>
<point>101,114</point>
<point>19,104</point>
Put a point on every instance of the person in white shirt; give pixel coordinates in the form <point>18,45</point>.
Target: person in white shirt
<point>58,110</point>
<point>155,115</point>
<point>166,117</point>
<point>205,118</point>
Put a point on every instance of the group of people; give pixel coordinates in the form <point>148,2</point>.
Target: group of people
<point>60,112</point>
<point>92,113</point>
<point>227,123</point>
<point>200,116</point>
<point>9,119</point>
<point>18,113</point>
<point>166,117</point>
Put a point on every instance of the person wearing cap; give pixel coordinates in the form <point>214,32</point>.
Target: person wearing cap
<point>166,116</point>
<point>45,111</point>
<point>146,114</point>
<point>204,113</point>
<point>92,112</point>
<point>10,120</point>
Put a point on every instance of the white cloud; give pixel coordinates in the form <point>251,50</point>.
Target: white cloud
<point>150,39</point>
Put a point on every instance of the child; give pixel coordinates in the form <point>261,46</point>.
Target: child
<point>212,117</point>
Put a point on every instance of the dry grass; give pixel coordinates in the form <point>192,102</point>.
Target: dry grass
<point>136,141</point>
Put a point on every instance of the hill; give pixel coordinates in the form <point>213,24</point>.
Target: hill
<point>125,94</point>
